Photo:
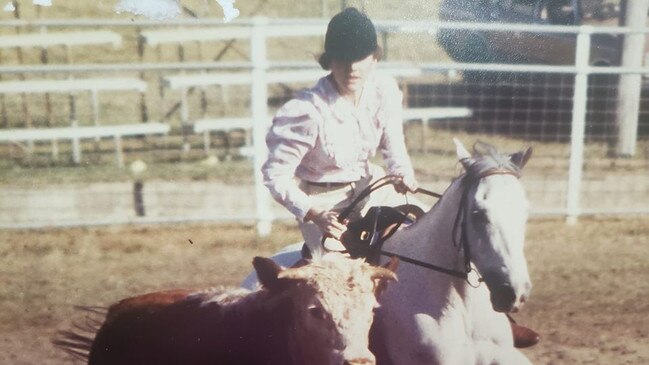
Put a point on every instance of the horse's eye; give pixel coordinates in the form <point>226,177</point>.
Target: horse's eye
<point>317,312</point>
<point>480,216</point>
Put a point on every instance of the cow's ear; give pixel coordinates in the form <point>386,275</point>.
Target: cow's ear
<point>267,271</point>
<point>383,275</point>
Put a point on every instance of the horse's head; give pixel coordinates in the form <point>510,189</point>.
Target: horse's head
<point>495,215</point>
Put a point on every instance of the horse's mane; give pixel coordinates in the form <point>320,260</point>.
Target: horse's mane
<point>487,158</point>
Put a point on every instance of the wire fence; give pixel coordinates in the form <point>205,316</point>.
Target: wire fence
<point>568,113</point>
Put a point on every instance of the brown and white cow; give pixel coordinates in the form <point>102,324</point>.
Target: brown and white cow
<point>317,314</point>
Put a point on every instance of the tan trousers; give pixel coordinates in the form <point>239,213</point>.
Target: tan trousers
<point>339,198</point>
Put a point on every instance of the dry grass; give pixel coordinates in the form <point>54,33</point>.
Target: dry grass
<point>589,300</point>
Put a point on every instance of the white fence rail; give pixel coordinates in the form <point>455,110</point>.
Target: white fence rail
<point>259,73</point>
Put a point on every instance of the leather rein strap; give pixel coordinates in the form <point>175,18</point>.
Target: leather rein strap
<point>391,180</point>
<point>459,226</point>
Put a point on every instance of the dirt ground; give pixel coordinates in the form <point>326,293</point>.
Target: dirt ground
<point>589,300</point>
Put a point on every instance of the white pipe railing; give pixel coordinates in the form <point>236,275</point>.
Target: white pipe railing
<point>400,26</point>
<point>260,64</point>
<point>259,109</point>
<point>577,136</point>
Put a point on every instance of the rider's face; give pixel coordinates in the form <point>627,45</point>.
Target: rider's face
<point>350,77</point>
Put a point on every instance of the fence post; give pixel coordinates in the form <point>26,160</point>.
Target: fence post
<point>259,109</point>
<point>630,86</point>
<point>579,100</point>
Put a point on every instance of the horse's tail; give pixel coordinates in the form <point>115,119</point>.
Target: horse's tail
<point>78,340</point>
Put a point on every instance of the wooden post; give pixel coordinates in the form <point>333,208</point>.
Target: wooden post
<point>138,198</point>
<point>144,112</point>
<point>184,120</point>
<point>161,87</point>
<point>76,146</point>
<point>3,104</point>
<point>203,90</point>
<point>55,150</point>
<point>23,97</point>
<point>206,142</point>
<point>628,107</point>
<point>95,116</point>
<point>44,61</point>
<point>119,155</point>
<point>94,100</point>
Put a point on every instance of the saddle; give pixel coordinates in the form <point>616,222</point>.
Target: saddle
<point>365,237</point>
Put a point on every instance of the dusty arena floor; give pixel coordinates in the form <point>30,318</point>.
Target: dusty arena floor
<point>589,300</point>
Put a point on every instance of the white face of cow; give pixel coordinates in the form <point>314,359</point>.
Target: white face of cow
<point>334,309</point>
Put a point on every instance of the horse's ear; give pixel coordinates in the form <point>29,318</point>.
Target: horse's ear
<point>267,271</point>
<point>463,154</point>
<point>520,158</point>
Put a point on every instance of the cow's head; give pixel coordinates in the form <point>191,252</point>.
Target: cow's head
<point>332,307</point>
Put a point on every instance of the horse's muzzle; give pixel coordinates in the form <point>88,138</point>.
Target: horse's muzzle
<point>503,298</point>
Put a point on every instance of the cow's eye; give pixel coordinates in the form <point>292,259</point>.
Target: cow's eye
<point>317,312</point>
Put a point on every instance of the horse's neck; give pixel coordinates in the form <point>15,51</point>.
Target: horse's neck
<point>431,238</point>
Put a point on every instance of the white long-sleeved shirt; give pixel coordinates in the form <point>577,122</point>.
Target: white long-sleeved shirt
<point>320,136</point>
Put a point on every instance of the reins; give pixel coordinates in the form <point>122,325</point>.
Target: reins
<point>459,226</point>
<point>459,222</point>
<point>391,180</point>
<point>379,183</point>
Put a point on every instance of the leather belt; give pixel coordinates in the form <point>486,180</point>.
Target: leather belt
<point>332,185</point>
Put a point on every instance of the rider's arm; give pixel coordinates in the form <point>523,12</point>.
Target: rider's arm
<point>327,221</point>
<point>291,136</point>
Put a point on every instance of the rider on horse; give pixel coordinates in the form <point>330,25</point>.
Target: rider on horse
<point>322,141</point>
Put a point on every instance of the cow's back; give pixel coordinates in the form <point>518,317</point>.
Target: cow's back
<point>189,331</point>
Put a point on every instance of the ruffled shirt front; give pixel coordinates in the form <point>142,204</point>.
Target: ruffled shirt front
<point>320,136</point>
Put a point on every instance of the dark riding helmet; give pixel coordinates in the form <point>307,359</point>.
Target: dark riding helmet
<point>350,37</point>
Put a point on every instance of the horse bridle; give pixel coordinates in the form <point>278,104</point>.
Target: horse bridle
<point>459,227</point>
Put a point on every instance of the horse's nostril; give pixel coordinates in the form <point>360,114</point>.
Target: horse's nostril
<point>503,298</point>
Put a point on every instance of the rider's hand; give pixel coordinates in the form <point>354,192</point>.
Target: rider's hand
<point>405,184</point>
<point>327,221</point>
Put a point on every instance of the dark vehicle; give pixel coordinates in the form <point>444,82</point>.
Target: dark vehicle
<point>529,103</point>
<point>528,47</point>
